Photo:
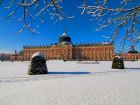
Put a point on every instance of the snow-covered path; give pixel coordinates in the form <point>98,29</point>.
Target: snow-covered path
<point>70,83</point>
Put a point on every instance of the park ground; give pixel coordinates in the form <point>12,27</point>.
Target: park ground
<point>70,83</point>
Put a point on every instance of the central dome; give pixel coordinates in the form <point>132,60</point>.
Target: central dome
<point>64,38</point>
<point>132,50</point>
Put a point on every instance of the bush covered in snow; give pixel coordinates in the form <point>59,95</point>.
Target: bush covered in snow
<point>118,63</point>
<point>37,65</point>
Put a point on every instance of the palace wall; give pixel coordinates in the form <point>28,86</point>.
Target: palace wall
<point>70,52</point>
<point>65,50</point>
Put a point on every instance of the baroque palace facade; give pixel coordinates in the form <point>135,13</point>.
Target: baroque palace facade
<point>65,50</point>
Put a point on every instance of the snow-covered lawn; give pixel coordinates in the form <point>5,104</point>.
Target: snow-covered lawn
<point>70,83</point>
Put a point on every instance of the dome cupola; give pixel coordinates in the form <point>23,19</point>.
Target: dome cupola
<point>132,50</point>
<point>64,38</point>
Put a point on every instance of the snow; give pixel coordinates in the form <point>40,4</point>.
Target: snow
<point>38,54</point>
<point>70,83</point>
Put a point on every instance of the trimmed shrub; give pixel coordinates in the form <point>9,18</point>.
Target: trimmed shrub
<point>37,65</point>
<point>118,63</point>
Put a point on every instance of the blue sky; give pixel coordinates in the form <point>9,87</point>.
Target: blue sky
<point>81,29</point>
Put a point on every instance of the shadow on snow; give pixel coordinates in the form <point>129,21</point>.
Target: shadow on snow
<point>71,73</point>
<point>133,68</point>
<point>60,75</point>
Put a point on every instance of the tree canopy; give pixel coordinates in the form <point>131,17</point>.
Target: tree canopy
<point>122,16</point>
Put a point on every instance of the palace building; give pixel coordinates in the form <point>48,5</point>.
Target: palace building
<point>65,50</point>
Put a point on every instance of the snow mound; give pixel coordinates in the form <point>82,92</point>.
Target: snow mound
<point>38,54</point>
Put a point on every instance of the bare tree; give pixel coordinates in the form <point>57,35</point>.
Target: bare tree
<point>122,16</point>
<point>125,16</point>
<point>27,11</point>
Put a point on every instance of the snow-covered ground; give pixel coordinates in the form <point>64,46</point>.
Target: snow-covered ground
<point>70,83</point>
